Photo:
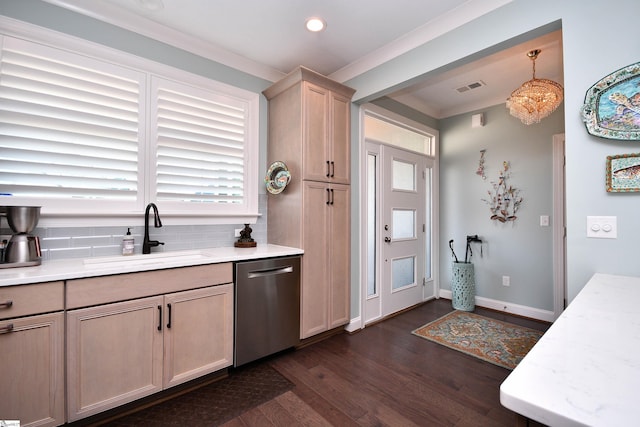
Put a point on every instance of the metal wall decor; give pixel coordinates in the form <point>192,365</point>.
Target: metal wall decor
<point>612,106</point>
<point>623,173</point>
<point>504,201</point>
<point>480,170</point>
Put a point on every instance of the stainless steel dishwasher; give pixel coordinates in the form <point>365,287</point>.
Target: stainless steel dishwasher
<point>267,309</point>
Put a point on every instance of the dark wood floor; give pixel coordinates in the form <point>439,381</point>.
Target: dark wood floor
<point>385,376</point>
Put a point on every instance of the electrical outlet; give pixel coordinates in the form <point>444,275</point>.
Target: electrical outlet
<point>506,281</point>
<point>237,232</point>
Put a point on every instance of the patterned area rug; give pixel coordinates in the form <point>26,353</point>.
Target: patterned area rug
<point>213,404</point>
<point>500,343</point>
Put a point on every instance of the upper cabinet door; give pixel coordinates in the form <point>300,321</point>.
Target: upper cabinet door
<point>315,155</point>
<point>326,150</point>
<point>339,135</point>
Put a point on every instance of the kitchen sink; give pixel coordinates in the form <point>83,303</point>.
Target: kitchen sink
<point>155,258</point>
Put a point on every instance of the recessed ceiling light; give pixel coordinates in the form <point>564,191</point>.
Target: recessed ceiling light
<point>315,24</point>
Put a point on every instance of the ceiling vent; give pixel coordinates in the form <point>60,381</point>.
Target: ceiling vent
<point>471,86</point>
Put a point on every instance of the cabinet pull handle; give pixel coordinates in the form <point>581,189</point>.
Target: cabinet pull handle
<point>328,169</point>
<point>328,196</point>
<point>159,317</point>
<point>333,168</point>
<point>332,196</point>
<point>169,319</point>
<point>6,329</point>
<point>6,304</point>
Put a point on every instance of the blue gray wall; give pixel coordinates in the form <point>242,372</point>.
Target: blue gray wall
<point>594,46</point>
<point>520,249</point>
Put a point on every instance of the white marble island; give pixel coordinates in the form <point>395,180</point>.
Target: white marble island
<point>585,370</point>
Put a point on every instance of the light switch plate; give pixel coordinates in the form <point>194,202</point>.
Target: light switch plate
<point>602,227</point>
<point>544,220</point>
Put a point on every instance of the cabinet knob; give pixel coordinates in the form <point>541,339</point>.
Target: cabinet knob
<point>6,304</point>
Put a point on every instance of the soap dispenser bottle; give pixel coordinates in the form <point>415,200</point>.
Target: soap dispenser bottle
<point>128,243</point>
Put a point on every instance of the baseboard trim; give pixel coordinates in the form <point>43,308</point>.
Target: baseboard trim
<point>508,307</point>
<point>354,325</point>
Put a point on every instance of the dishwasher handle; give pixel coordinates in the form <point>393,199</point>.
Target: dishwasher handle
<point>269,272</point>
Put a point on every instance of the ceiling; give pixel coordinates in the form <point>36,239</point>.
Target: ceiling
<point>267,38</point>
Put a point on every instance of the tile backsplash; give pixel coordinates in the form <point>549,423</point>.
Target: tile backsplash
<point>86,242</point>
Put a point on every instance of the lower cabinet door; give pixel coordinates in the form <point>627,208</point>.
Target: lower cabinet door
<point>32,370</point>
<point>114,355</point>
<point>198,333</point>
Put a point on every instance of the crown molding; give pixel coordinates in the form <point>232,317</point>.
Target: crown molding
<point>119,17</point>
<point>456,18</point>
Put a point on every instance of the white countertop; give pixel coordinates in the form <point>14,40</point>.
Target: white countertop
<point>50,271</point>
<point>585,370</point>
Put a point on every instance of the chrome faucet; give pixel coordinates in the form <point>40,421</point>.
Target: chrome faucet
<point>147,244</point>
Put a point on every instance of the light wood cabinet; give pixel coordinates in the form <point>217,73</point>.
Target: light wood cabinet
<point>325,275</point>
<point>309,130</point>
<point>32,354</point>
<point>198,334</point>
<point>309,126</point>
<point>122,351</point>
<point>325,139</point>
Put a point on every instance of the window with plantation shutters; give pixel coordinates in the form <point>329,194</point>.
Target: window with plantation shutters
<point>200,145</point>
<point>70,129</point>
<point>82,135</point>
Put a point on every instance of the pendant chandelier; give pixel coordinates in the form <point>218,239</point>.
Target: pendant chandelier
<point>536,98</point>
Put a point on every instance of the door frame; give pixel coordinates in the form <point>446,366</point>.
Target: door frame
<point>559,227</point>
<point>361,226</point>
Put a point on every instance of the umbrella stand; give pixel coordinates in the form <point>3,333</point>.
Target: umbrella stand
<point>463,286</point>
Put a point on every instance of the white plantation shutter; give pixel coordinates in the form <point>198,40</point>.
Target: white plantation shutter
<point>90,131</point>
<point>70,130</point>
<point>201,144</point>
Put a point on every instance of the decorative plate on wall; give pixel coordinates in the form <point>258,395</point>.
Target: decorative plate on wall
<point>623,173</point>
<point>612,105</point>
<point>277,178</point>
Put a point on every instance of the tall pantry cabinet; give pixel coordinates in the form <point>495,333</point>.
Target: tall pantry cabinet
<point>309,130</point>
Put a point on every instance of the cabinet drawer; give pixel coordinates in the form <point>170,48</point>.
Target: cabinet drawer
<point>25,300</point>
<point>121,287</point>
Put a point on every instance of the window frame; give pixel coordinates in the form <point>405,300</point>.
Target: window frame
<point>60,214</point>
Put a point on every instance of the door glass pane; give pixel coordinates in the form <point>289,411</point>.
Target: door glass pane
<point>404,176</point>
<point>404,224</point>
<point>389,133</point>
<point>371,226</point>
<point>403,273</point>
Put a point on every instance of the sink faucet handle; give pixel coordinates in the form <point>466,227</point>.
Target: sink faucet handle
<point>155,243</point>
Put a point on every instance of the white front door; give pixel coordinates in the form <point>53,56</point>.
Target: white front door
<point>399,235</point>
<point>403,229</point>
